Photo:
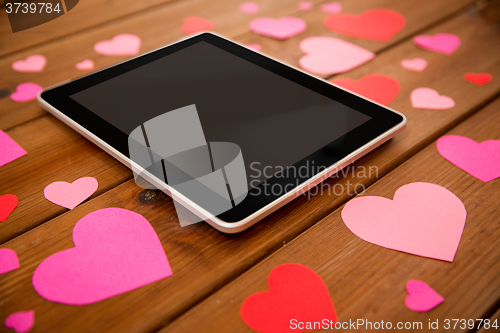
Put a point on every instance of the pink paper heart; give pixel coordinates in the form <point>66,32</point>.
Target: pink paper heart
<point>282,28</point>
<point>305,5</point>
<point>427,98</point>
<point>249,7</point>
<point>70,195</point>
<point>123,44</point>
<point>421,297</point>
<point>329,55</point>
<point>21,322</point>
<point>33,63</point>
<point>415,64</point>
<point>442,42</point>
<point>115,251</point>
<point>9,149</point>
<point>423,219</point>
<point>8,260</point>
<point>481,160</point>
<point>331,7</point>
<point>26,92</point>
<point>255,47</point>
<point>84,65</point>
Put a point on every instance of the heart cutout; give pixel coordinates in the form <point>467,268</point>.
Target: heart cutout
<point>21,322</point>
<point>193,24</point>
<point>305,5</point>
<point>427,98</point>
<point>377,24</point>
<point>379,88</point>
<point>421,297</point>
<point>442,42</point>
<point>249,7</point>
<point>8,260</point>
<point>9,149</point>
<point>331,7</point>
<point>26,92</point>
<point>329,55</point>
<point>84,65</point>
<point>70,195</point>
<point>478,78</point>
<point>481,160</point>
<point>255,47</point>
<point>423,219</point>
<point>415,64</point>
<point>295,292</point>
<point>8,203</point>
<point>119,45</point>
<point>115,251</point>
<point>33,63</point>
<point>281,28</point>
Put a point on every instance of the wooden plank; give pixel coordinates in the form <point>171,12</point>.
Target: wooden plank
<point>85,15</point>
<point>203,259</point>
<point>54,153</point>
<point>366,281</point>
<point>162,26</point>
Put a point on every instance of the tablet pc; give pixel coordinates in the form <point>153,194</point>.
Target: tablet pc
<point>265,130</point>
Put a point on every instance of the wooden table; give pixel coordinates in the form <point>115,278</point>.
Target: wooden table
<point>215,272</point>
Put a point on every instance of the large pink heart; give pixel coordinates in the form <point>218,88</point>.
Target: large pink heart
<point>423,219</point>
<point>33,63</point>
<point>443,42</point>
<point>70,195</point>
<point>481,160</point>
<point>329,55</point>
<point>282,28</point>
<point>115,251</point>
<point>123,44</point>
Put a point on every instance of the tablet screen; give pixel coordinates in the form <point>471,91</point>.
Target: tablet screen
<point>276,122</point>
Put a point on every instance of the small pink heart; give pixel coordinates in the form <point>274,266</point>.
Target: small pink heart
<point>33,63</point>
<point>249,7</point>
<point>330,55</point>
<point>123,44</point>
<point>481,160</point>
<point>427,98</point>
<point>8,260</point>
<point>70,195</point>
<point>84,65</point>
<point>282,28</point>
<point>442,42</point>
<point>26,92</point>
<point>115,251</point>
<point>331,7</point>
<point>415,64</point>
<point>423,219</point>
<point>194,24</point>
<point>9,149</point>
<point>21,322</point>
<point>255,47</point>
<point>305,5</point>
<point>421,297</point>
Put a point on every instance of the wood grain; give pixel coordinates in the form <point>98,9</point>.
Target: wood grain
<point>54,153</point>
<point>366,281</point>
<point>162,26</point>
<point>85,15</point>
<point>203,260</point>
